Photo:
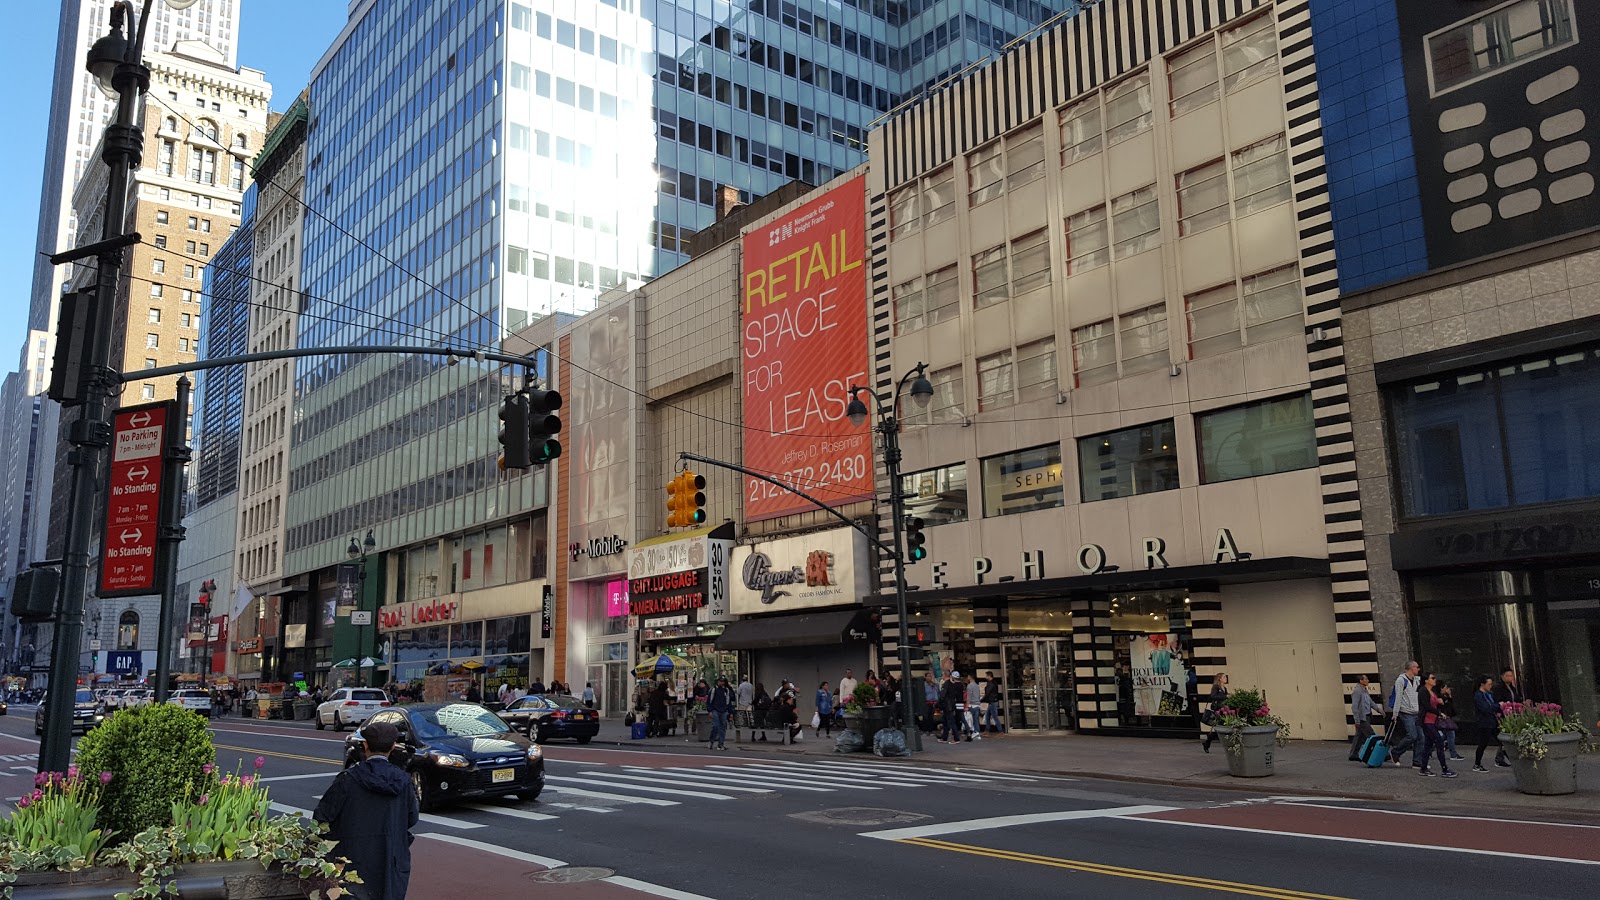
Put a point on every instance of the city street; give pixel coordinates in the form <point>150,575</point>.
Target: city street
<point>617,822</point>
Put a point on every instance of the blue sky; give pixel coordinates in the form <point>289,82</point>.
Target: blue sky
<point>283,38</point>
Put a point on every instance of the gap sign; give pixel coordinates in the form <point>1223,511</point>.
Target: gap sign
<point>133,504</point>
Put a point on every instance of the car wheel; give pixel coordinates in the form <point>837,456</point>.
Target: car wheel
<point>338,723</point>
<point>537,735</point>
<point>419,783</point>
<point>585,739</point>
<point>317,719</point>
<point>38,725</point>
<point>528,796</point>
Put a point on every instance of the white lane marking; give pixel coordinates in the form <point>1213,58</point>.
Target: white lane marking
<point>578,806</point>
<point>545,861</point>
<point>676,792</point>
<point>510,811</point>
<point>840,779</point>
<point>597,795</point>
<point>645,887</point>
<point>426,817</point>
<point>1300,802</point>
<point>1371,842</point>
<point>295,777</point>
<point>919,831</point>
<point>286,809</point>
<point>794,779</point>
<point>18,737</point>
<point>919,775</point>
<point>296,734</point>
<point>619,776</point>
<point>906,772</point>
<point>720,779</point>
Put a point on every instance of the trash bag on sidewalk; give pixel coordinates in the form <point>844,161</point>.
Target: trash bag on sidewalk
<point>849,741</point>
<point>890,742</point>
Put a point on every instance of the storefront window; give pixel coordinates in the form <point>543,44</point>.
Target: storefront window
<point>1151,644</point>
<point>526,544</point>
<point>466,639</point>
<point>1023,481</point>
<point>508,635</point>
<point>1508,434</point>
<point>937,496</point>
<point>945,635</point>
<point>1128,463</point>
<point>1043,617</point>
<point>1257,439</point>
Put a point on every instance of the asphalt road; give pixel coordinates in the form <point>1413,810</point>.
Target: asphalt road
<point>757,825</point>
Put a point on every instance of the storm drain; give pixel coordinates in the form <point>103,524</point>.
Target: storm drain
<point>570,875</point>
<point>860,815</point>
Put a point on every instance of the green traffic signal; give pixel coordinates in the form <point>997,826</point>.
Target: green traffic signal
<point>915,540</point>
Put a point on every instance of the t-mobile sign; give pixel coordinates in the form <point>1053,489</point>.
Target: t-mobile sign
<point>617,597</point>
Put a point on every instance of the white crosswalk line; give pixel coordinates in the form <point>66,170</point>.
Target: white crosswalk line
<point>511,811</point>
<point>426,817</point>
<point>905,775</point>
<point>910,772</point>
<point>622,776</point>
<point>598,795</point>
<point>588,778</point>
<point>720,778</point>
<point>795,778</point>
<point>842,779</point>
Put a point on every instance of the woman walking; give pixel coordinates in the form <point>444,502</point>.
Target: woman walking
<point>824,710</point>
<point>1488,711</point>
<point>1218,698</point>
<point>1428,711</point>
<point>1447,721</point>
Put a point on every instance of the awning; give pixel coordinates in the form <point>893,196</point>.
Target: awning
<point>801,630</point>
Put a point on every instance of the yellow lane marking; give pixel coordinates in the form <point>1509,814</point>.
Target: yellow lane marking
<point>1231,887</point>
<point>320,759</point>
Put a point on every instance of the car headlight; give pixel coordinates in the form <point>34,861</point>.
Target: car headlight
<point>535,752</point>
<point>452,760</point>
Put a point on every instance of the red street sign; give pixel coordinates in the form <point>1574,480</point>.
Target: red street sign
<point>133,504</point>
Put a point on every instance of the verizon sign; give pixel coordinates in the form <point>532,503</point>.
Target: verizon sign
<point>133,504</point>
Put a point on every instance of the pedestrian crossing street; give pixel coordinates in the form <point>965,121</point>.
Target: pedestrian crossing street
<point>608,789</point>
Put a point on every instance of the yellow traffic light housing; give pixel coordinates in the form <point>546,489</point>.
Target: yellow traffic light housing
<point>686,500</point>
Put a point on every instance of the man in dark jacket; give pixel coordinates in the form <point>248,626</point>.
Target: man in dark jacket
<point>720,704</point>
<point>370,809</point>
<point>952,694</point>
<point>1507,691</point>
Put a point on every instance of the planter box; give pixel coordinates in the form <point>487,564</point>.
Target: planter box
<point>1557,773</point>
<point>240,880</point>
<point>1254,758</point>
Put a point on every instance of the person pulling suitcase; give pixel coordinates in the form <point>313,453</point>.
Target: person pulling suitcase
<point>1362,709</point>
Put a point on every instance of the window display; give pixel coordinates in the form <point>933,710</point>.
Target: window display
<point>1156,681</point>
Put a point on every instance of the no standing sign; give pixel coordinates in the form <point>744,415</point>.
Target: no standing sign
<point>129,552</point>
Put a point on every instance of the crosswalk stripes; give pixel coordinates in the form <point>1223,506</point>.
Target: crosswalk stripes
<point>628,778</point>
<point>702,775</point>
<point>600,795</point>
<point>676,792</point>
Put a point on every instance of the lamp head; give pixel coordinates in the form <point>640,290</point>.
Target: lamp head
<point>857,411</point>
<point>108,53</point>
<point>354,550</point>
<point>181,4</point>
<point>921,390</point>
<point>369,545</point>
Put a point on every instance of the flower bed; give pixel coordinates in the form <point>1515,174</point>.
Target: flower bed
<point>1529,722</point>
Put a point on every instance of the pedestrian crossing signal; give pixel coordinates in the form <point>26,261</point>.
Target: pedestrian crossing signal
<point>686,500</point>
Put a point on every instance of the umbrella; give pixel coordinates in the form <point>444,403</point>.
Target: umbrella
<point>368,662</point>
<point>661,665</point>
<point>345,664</point>
<point>472,664</point>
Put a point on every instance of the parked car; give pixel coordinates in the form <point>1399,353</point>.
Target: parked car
<point>192,699</point>
<point>349,706</point>
<point>138,697</point>
<point>456,750</point>
<point>86,712</point>
<point>552,716</point>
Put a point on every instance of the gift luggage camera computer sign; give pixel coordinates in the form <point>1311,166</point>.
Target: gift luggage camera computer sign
<point>129,549</point>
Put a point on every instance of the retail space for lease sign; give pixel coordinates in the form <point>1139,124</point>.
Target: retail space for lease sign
<point>804,342</point>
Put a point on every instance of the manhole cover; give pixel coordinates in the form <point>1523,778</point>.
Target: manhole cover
<point>570,875</point>
<point>860,815</point>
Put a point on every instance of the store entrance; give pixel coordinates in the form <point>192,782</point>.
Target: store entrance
<point>1038,682</point>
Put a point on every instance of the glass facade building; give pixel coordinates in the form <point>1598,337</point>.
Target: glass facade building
<point>219,393</point>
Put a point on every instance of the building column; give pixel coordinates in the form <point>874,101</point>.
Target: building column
<point>1206,638</point>
<point>1094,672</point>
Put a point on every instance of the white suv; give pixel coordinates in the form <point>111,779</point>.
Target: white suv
<point>195,700</point>
<point>350,706</point>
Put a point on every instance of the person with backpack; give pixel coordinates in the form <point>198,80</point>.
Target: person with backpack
<point>1403,702</point>
<point>1361,709</point>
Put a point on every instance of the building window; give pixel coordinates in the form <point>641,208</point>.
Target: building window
<point>155,316</point>
<point>949,396</point>
<point>1135,223</point>
<point>158,266</point>
<point>194,223</point>
<point>1036,370</point>
<point>518,198</point>
<point>1128,463</point>
<point>128,630</point>
<point>155,290</point>
<point>926,300</point>
<point>1261,176</point>
<point>521,17</point>
<point>241,141</point>
<point>1128,108</point>
<point>235,177</point>
<point>1509,434</point>
<point>152,341</point>
<point>1192,77</point>
<point>149,363</point>
<point>148,392</point>
<point>1249,53</point>
<point>164,158</point>
<point>998,275</point>
<point>185,320</point>
<point>517,260</point>
<point>1142,340</point>
<point>1005,165</point>
<point>520,137</point>
<point>905,213</point>
<point>1023,481</point>
<point>1257,439</point>
<point>1080,130</point>
<point>1094,354</point>
<point>1202,198</point>
<point>986,174</point>
<point>188,247</point>
<point>161,241</point>
<point>923,204</point>
<point>183,345</point>
<point>205,225</point>
<point>995,380</point>
<point>1273,308</point>
<point>1086,241</point>
<point>205,249</point>
<point>1498,39</point>
<point>161,217</point>
<point>937,496</point>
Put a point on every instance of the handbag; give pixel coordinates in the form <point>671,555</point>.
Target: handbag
<point>1209,717</point>
<point>1447,724</point>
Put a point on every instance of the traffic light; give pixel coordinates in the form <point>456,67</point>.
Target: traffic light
<point>543,425</point>
<point>915,539</point>
<point>33,593</point>
<point>686,500</point>
<point>514,451</point>
<point>94,660</point>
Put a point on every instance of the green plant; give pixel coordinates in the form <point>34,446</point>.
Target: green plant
<point>1247,707</point>
<point>1529,723</point>
<point>863,696</point>
<point>54,826</point>
<point>287,841</point>
<point>157,756</point>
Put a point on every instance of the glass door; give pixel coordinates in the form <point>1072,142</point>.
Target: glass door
<point>1038,692</point>
<point>1022,686</point>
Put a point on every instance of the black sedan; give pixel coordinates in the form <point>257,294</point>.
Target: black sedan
<point>457,750</point>
<point>86,712</point>
<point>552,716</point>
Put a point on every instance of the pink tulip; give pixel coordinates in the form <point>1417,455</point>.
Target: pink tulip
<point>207,768</point>
<point>261,761</point>
<point>204,798</point>
<point>247,781</point>
<point>72,772</point>
<point>24,803</point>
<point>105,777</point>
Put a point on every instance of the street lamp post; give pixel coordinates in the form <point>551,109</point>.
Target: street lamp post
<point>117,67</point>
<point>889,426</point>
<point>359,551</point>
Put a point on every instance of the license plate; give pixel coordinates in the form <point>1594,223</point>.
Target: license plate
<point>577,718</point>
<point>503,775</point>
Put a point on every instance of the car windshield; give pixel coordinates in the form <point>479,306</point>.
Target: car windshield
<point>85,697</point>
<point>458,720</point>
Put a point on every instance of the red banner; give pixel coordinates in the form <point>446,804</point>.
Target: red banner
<point>805,341</point>
<point>133,503</point>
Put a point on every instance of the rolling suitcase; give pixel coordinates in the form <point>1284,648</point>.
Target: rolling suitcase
<point>1374,751</point>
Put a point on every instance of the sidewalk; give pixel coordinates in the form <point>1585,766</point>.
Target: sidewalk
<point>1320,768</point>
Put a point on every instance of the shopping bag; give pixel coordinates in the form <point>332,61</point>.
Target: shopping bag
<point>816,720</point>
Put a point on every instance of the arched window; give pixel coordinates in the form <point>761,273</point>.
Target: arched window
<point>128,631</point>
<point>171,124</point>
<point>208,128</point>
<point>242,141</point>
